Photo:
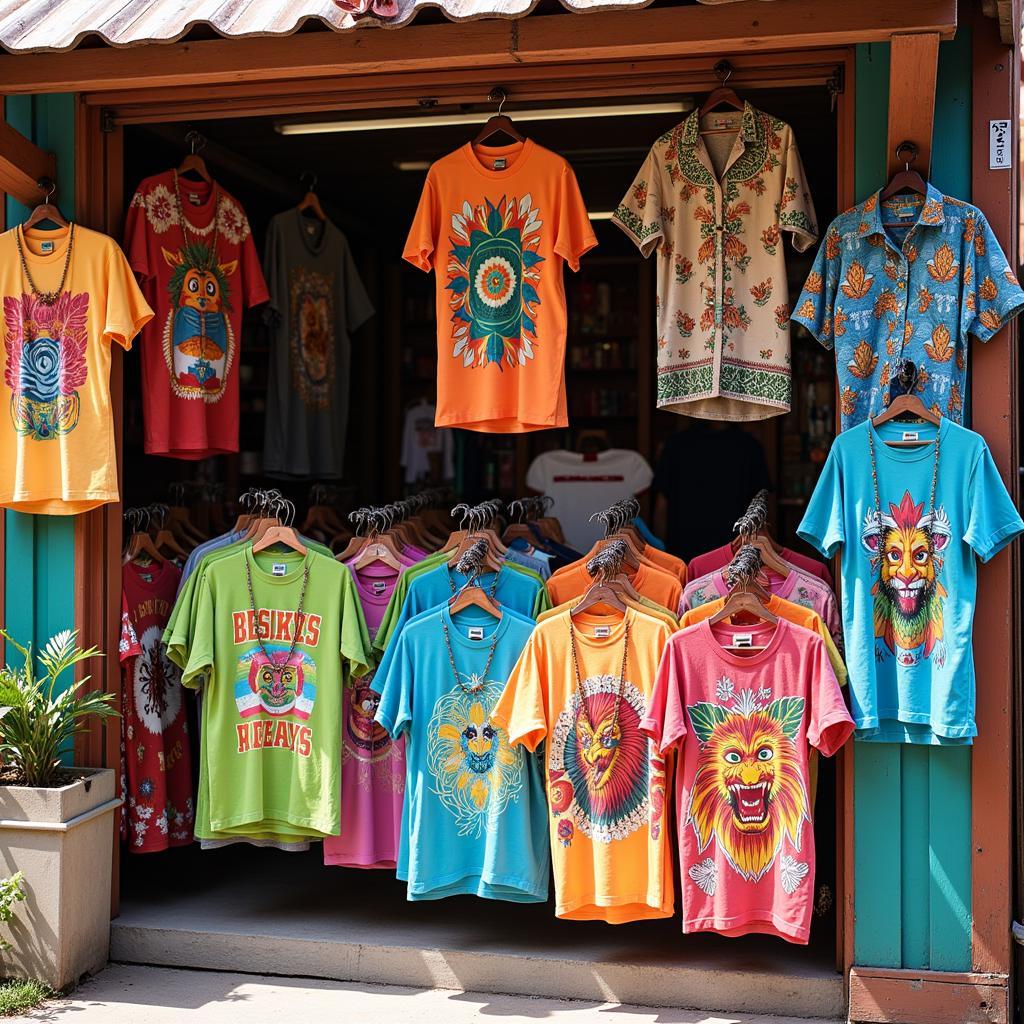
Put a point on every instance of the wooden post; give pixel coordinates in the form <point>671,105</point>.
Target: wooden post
<point>913,70</point>
<point>22,164</point>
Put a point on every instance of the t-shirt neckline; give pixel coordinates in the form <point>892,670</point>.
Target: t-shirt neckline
<point>293,575</point>
<point>314,248</point>
<point>523,149</point>
<point>916,454</point>
<point>205,211</point>
<point>737,659</point>
<point>158,576</point>
<point>60,236</point>
<point>593,619</point>
<point>458,637</point>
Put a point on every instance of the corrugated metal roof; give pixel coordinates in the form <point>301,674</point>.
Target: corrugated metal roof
<point>54,25</point>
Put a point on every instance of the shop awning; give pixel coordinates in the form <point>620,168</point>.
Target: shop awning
<point>56,25</point>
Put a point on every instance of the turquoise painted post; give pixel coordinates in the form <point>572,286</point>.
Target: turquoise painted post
<point>912,805</point>
<point>40,550</point>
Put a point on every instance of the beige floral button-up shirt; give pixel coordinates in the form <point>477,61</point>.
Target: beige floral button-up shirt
<point>713,197</point>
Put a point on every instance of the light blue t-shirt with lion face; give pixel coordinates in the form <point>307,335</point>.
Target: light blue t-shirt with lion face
<point>909,571</point>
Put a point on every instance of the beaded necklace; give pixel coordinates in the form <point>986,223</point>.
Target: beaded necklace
<point>878,501</point>
<point>46,298</point>
<point>480,681</point>
<point>609,734</point>
<point>276,670</point>
<point>470,581</point>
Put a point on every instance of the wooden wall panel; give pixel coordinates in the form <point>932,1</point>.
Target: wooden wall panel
<point>913,71</point>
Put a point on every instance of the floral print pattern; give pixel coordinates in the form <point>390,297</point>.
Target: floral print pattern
<point>911,288</point>
<point>720,252</point>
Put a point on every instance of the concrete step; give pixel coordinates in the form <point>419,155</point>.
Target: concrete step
<point>267,912</point>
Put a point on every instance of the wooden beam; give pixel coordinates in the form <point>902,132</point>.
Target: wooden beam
<point>880,996</point>
<point>995,91</point>
<point>913,71</point>
<point>609,35</point>
<point>22,164</point>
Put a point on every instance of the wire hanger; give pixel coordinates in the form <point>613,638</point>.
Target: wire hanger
<point>498,122</point>
<point>310,205</point>
<point>905,180</point>
<point>281,533</point>
<point>907,404</point>
<point>745,594</point>
<point>194,165</point>
<point>46,210</point>
<point>722,95</point>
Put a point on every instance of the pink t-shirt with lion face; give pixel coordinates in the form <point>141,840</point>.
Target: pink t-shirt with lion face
<point>741,721</point>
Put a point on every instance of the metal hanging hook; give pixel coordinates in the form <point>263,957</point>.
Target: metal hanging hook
<point>723,69</point>
<point>498,95</point>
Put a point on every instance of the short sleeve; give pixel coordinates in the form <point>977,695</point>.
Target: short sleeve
<point>575,233</point>
<point>992,296</point>
<point>665,720</point>
<point>537,475</point>
<point>394,712</point>
<point>419,246</point>
<point>201,653</point>
<point>520,708</point>
<point>822,524</point>
<point>640,212</point>
<point>829,724</point>
<point>273,313</point>
<point>817,300</point>
<point>641,474</point>
<point>135,237</point>
<point>128,645</point>
<point>993,520</point>
<point>358,308</point>
<point>254,287</point>
<point>355,637</point>
<point>796,208</point>
<point>127,311</point>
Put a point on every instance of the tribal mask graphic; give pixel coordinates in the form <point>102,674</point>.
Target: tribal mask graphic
<point>275,685</point>
<point>906,550</point>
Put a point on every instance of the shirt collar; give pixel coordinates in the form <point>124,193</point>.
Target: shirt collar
<point>750,125</point>
<point>932,212</point>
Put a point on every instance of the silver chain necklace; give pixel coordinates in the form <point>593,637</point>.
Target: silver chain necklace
<point>476,687</point>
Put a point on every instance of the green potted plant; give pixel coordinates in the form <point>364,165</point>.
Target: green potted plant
<point>56,822</point>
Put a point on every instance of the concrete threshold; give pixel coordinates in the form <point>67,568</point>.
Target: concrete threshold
<point>268,912</point>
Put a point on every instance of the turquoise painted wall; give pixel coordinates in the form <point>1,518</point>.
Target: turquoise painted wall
<point>40,550</point>
<point>912,805</point>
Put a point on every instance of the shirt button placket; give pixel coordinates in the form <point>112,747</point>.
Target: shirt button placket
<point>719,334</point>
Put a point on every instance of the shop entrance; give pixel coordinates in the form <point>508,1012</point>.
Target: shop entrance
<point>264,910</point>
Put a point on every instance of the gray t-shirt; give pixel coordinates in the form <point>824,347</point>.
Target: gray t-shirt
<point>316,300</point>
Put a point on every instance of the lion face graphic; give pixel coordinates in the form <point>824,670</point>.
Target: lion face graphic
<point>906,547</point>
<point>748,791</point>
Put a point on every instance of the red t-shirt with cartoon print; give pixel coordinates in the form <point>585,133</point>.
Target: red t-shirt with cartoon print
<point>199,278</point>
<point>157,771</point>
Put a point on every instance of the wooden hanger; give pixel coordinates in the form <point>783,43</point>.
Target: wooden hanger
<point>140,542</point>
<point>194,164</point>
<point>474,596</point>
<point>905,180</point>
<point>742,601</point>
<point>310,205</point>
<point>377,552</point>
<point>45,211</point>
<point>280,533</point>
<point>599,594</point>
<point>490,561</point>
<point>907,404</point>
<point>723,95</point>
<point>499,122</point>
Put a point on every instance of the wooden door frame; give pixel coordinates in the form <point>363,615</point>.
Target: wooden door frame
<point>100,141</point>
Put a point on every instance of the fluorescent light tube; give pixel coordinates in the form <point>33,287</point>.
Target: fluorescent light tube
<point>447,120</point>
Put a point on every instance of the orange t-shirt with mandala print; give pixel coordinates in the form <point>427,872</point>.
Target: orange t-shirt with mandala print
<point>496,224</point>
<point>57,452</point>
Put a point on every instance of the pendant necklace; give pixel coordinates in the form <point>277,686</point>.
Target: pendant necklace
<point>609,735</point>
<point>878,501</point>
<point>276,671</point>
<point>46,298</point>
<point>479,681</point>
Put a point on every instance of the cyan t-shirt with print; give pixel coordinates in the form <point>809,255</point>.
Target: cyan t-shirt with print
<point>475,815</point>
<point>910,573</point>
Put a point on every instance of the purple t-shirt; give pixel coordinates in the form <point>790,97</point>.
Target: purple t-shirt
<point>373,765</point>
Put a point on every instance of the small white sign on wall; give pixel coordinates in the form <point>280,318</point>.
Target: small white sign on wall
<point>1000,145</point>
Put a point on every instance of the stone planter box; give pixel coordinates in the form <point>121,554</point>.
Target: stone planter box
<point>61,839</point>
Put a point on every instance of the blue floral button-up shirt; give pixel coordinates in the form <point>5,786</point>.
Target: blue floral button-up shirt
<point>910,286</point>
